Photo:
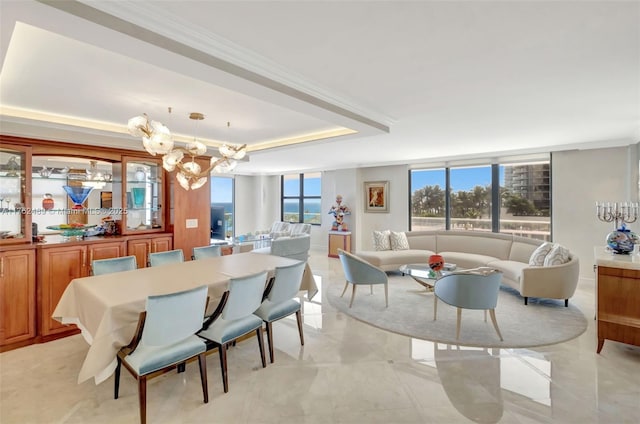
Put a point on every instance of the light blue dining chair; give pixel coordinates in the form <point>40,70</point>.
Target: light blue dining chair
<point>164,258</point>
<point>165,338</point>
<point>233,318</point>
<point>278,300</point>
<point>471,289</point>
<point>107,266</point>
<point>206,252</point>
<point>358,271</point>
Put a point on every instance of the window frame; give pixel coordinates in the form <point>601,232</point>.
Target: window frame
<point>301,197</point>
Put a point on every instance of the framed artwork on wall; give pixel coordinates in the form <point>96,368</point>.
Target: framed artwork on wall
<point>376,196</point>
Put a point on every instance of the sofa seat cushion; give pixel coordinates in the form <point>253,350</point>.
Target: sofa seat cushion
<point>467,260</point>
<point>511,270</point>
<point>392,259</point>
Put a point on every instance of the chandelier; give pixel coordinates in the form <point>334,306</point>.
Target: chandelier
<point>157,139</point>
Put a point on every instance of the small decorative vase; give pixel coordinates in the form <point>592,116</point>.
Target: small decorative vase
<point>140,175</point>
<point>47,202</point>
<point>436,262</point>
<point>138,197</point>
<point>622,240</point>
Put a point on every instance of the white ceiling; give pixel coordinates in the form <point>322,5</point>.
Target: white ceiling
<point>417,82</point>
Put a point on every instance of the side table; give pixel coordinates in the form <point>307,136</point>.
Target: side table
<point>339,240</point>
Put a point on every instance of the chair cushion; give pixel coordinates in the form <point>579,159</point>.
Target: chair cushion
<point>222,331</point>
<point>271,311</point>
<point>511,270</point>
<point>398,241</point>
<point>147,359</point>
<point>381,240</point>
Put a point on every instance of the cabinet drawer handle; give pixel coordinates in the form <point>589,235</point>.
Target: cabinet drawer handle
<point>2,267</point>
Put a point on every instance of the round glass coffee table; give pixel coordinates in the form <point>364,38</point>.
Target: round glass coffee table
<point>424,275</point>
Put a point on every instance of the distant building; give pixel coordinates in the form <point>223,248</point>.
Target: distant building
<point>531,182</point>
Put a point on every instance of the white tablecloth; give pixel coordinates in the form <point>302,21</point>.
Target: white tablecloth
<point>106,307</point>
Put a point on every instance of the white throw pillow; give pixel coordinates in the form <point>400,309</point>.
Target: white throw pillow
<point>538,255</point>
<point>398,241</point>
<point>381,240</point>
<point>557,256</point>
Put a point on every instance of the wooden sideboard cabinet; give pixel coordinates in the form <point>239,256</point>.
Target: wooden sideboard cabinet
<point>618,309</point>
<point>17,296</point>
<point>141,247</point>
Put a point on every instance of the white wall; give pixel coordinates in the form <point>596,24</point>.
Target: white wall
<point>257,203</point>
<point>579,179</point>
<point>398,217</point>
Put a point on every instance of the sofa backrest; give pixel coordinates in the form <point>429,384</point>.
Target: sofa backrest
<point>481,243</point>
<point>422,240</point>
<point>522,248</point>
<point>292,247</point>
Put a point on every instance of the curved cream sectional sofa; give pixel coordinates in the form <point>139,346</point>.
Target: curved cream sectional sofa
<point>471,249</point>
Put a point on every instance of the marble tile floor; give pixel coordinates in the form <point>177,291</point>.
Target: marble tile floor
<point>347,372</point>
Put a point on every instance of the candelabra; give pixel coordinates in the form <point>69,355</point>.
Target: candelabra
<point>620,213</point>
<point>620,240</point>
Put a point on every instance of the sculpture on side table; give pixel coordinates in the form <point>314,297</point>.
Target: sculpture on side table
<point>339,211</point>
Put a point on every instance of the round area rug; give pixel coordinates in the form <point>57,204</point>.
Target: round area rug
<point>410,312</point>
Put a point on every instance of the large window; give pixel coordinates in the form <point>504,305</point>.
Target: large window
<point>222,207</point>
<point>470,191</point>
<point>301,198</point>
<point>513,198</point>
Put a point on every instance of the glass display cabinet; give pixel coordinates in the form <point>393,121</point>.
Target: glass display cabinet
<point>142,195</point>
<point>15,194</point>
<point>71,194</point>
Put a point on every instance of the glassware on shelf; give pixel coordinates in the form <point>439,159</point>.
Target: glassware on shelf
<point>138,196</point>
<point>78,194</point>
<point>47,202</point>
<point>140,175</point>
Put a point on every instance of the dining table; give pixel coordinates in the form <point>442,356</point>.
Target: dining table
<point>106,307</point>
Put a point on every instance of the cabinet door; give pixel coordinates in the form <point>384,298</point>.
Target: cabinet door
<point>58,266</point>
<point>17,296</point>
<point>104,251</point>
<point>15,194</point>
<point>143,195</point>
<point>160,244</point>
<point>140,248</point>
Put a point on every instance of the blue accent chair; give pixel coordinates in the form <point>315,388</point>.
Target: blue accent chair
<point>233,318</point>
<point>206,252</point>
<point>278,300</point>
<point>107,266</point>
<point>165,338</point>
<point>164,258</point>
<point>358,271</point>
<point>471,289</point>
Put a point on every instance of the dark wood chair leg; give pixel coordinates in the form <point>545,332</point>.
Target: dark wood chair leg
<point>182,367</point>
<point>116,385</point>
<point>299,319</point>
<point>269,328</point>
<point>261,346</point>
<point>222,350</point>
<point>202,362</point>
<point>526,301</point>
<point>566,303</point>
<point>142,397</point>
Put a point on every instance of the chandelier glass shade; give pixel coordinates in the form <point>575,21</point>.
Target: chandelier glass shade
<point>157,139</point>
